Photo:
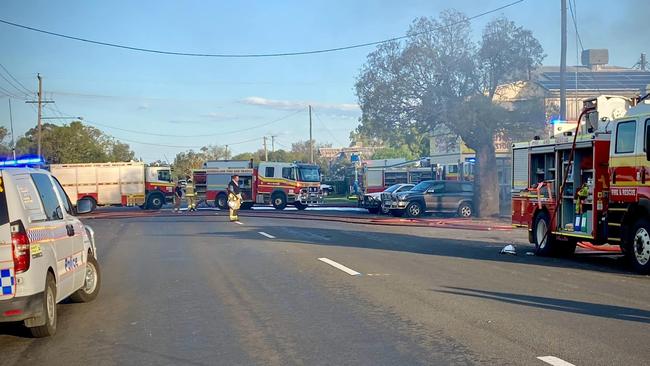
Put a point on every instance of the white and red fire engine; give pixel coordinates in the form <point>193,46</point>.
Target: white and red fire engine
<point>122,183</point>
<point>591,186</point>
<point>278,184</point>
<point>377,178</point>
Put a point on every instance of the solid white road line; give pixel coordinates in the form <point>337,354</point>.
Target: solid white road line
<point>552,360</point>
<point>267,235</point>
<point>339,266</point>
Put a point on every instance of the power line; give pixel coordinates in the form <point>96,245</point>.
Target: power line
<point>327,129</point>
<point>253,55</point>
<point>575,22</point>
<point>193,136</point>
<point>119,139</point>
<point>16,80</point>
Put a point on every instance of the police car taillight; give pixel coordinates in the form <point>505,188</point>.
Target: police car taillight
<point>20,247</point>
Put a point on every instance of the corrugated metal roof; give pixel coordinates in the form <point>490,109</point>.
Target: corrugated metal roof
<point>597,80</point>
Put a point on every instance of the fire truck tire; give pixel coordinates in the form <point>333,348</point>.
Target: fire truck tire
<point>246,206</point>
<point>638,247</point>
<point>542,238</point>
<point>155,201</point>
<point>221,201</point>
<point>279,200</point>
<point>300,206</point>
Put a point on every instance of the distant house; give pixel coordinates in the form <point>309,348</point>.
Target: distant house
<point>592,79</point>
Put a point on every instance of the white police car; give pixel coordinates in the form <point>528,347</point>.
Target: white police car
<point>46,253</point>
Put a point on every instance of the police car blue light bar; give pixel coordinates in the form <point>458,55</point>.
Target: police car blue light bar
<point>22,161</point>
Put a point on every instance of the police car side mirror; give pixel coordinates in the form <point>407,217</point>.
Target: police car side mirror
<point>59,213</point>
<point>84,205</point>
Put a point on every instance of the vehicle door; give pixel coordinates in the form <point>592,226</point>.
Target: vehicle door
<point>74,227</point>
<point>54,230</point>
<point>643,163</point>
<point>452,197</point>
<point>433,196</point>
<point>623,159</point>
<point>7,276</point>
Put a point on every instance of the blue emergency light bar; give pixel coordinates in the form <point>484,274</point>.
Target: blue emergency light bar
<point>22,161</point>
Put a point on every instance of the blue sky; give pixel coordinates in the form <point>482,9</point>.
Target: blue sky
<point>225,101</point>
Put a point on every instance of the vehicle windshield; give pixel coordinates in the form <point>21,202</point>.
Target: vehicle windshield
<point>421,187</point>
<point>164,175</point>
<point>392,188</point>
<point>309,174</point>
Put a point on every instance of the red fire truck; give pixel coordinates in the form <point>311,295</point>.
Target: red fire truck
<point>376,179</point>
<point>278,184</point>
<point>590,186</point>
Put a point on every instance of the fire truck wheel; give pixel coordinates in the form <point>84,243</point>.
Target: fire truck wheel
<point>246,206</point>
<point>279,201</point>
<point>221,202</point>
<point>414,209</point>
<point>638,247</point>
<point>542,237</point>
<point>300,206</point>
<point>155,202</point>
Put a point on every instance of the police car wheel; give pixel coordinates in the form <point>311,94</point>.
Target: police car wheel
<point>92,282</point>
<point>49,310</point>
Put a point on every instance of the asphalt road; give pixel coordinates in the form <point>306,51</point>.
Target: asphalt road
<point>198,290</point>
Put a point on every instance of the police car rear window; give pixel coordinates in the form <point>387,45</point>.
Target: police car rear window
<point>4,211</point>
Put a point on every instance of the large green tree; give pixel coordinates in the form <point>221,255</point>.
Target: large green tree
<point>440,77</point>
<point>5,148</point>
<point>74,143</point>
<point>186,161</point>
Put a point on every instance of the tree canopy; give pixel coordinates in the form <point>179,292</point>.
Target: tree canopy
<point>440,77</point>
<point>74,143</point>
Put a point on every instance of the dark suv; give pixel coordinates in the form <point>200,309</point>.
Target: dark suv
<point>435,196</point>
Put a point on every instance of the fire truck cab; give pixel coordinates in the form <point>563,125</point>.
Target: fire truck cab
<point>593,186</point>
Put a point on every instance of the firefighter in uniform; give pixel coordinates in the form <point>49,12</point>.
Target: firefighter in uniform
<point>583,194</point>
<point>191,196</point>
<point>234,198</point>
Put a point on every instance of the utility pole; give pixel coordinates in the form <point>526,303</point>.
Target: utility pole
<point>563,64</point>
<point>40,102</point>
<point>226,152</point>
<point>11,123</point>
<point>273,144</point>
<point>266,152</point>
<point>311,140</point>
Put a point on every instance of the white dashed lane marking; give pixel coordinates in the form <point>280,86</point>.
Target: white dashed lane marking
<point>552,360</point>
<point>343,268</point>
<point>267,235</point>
